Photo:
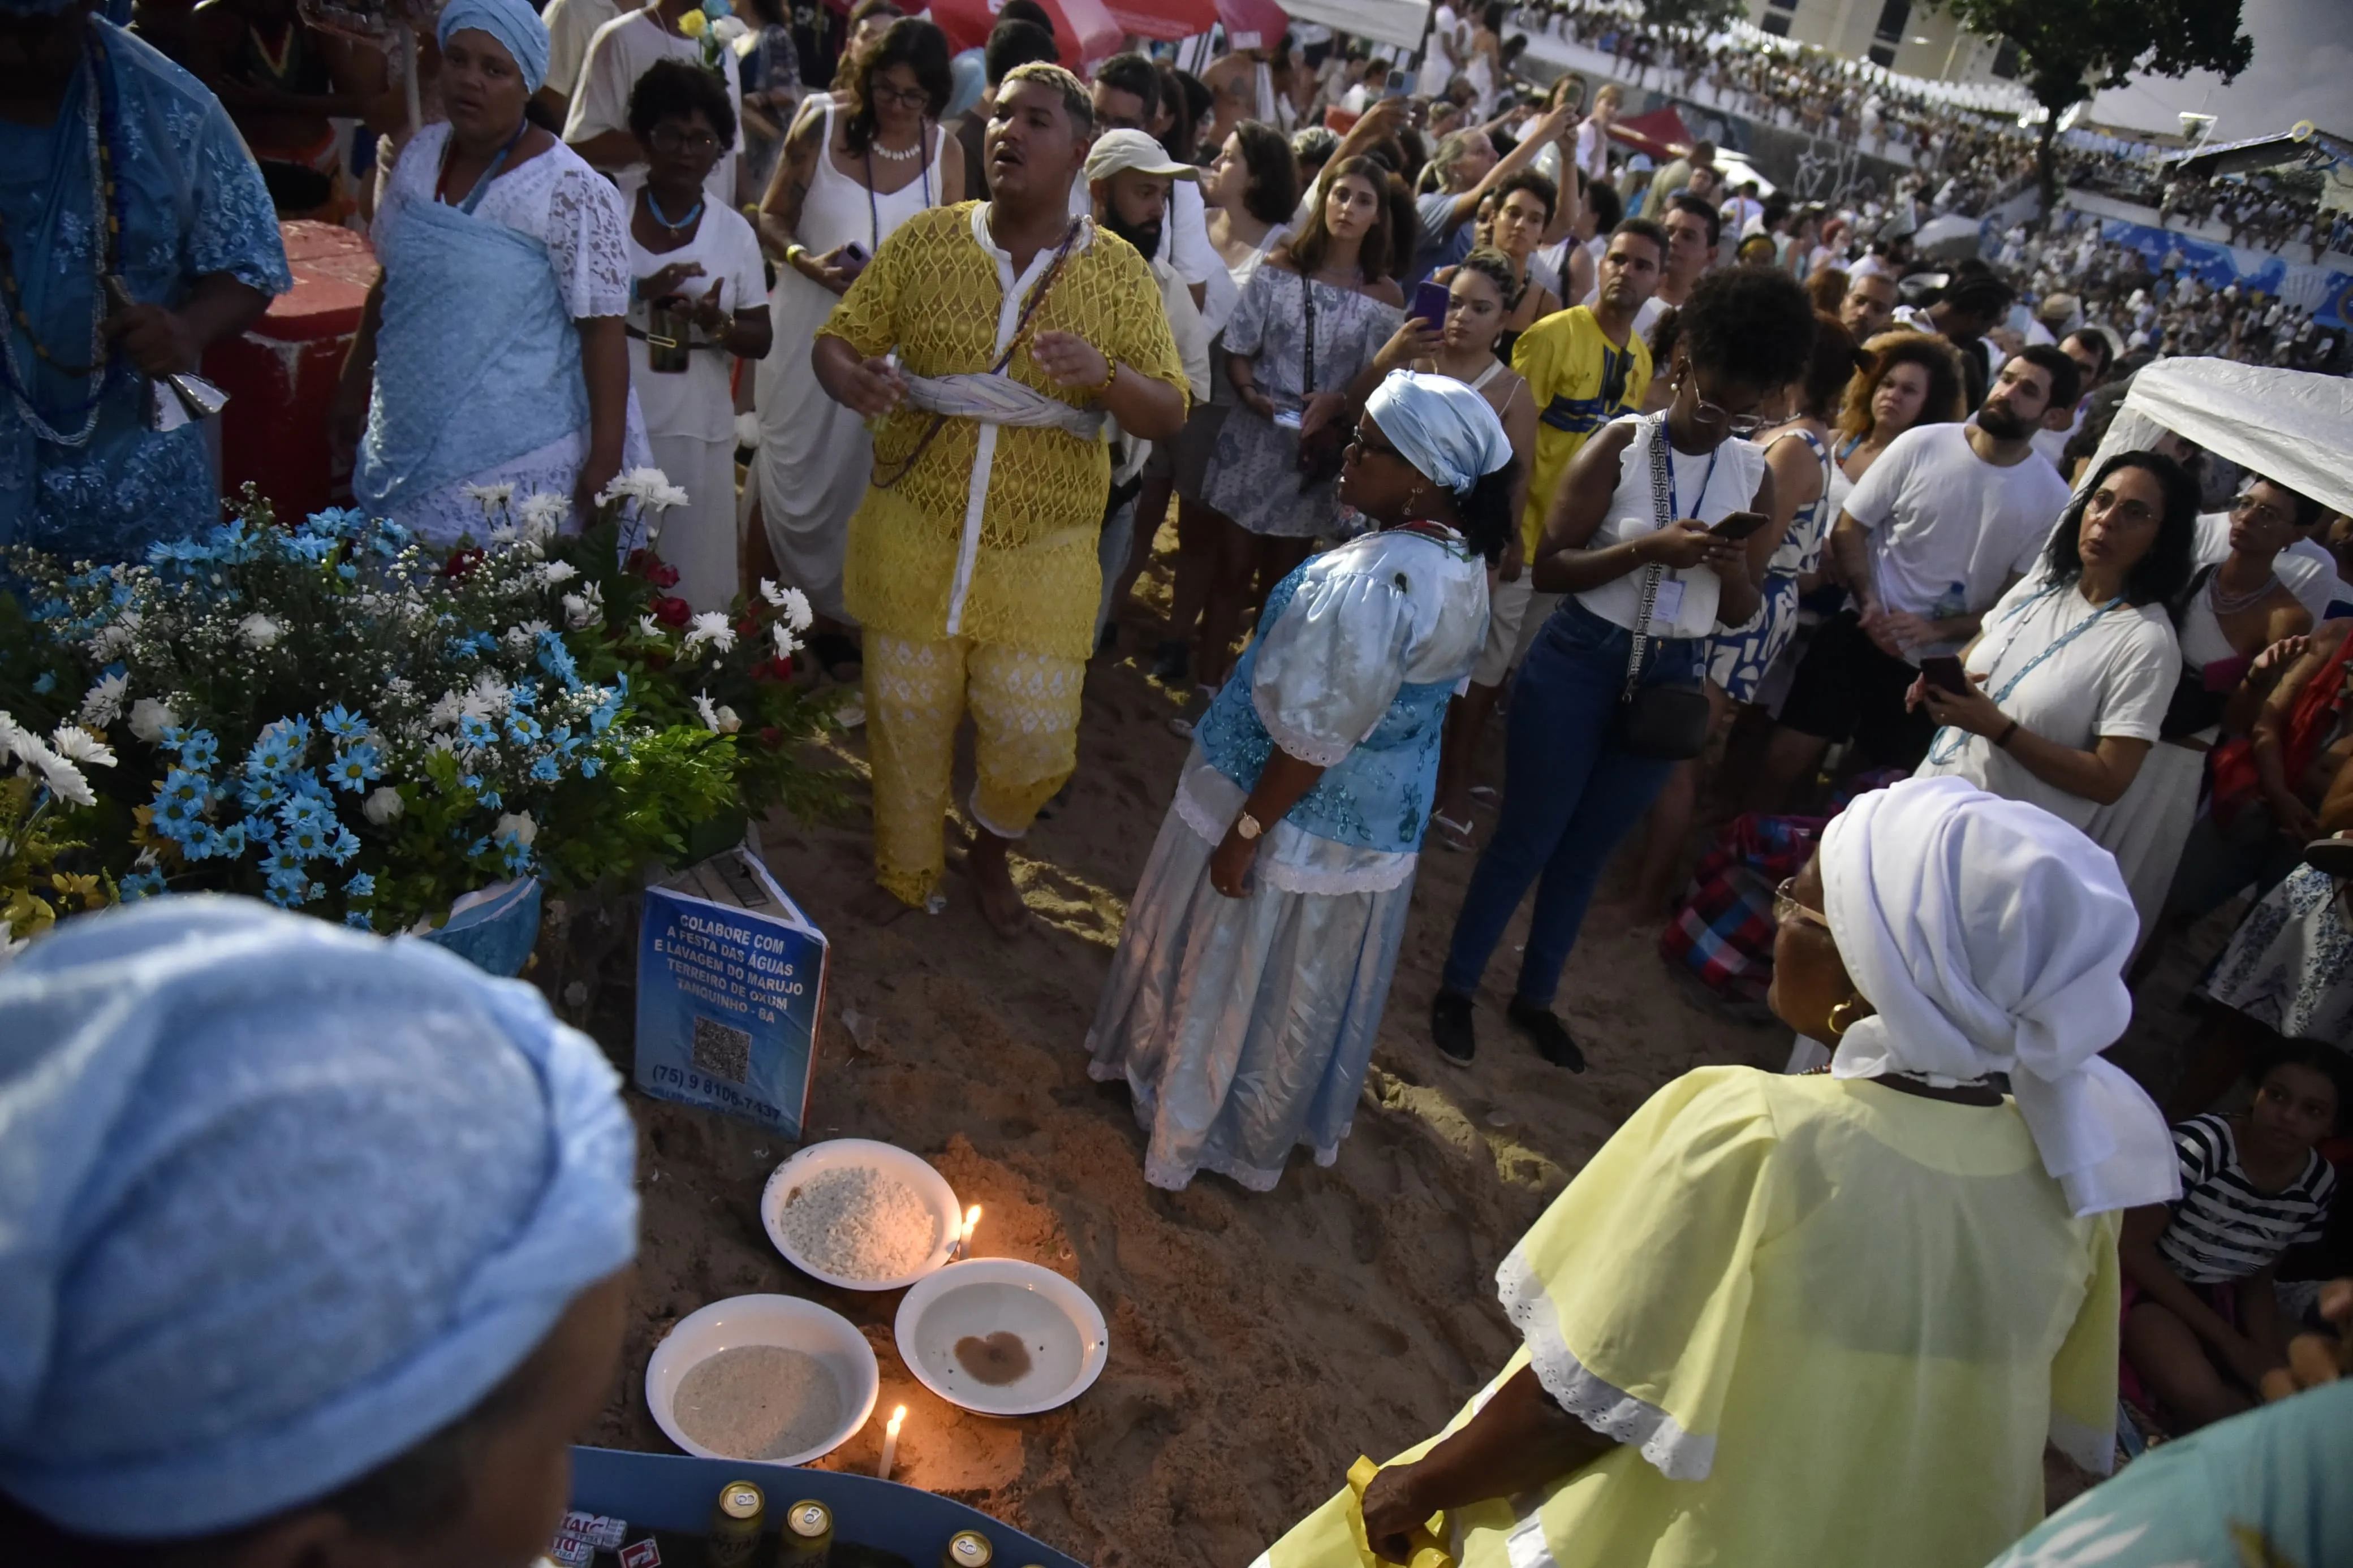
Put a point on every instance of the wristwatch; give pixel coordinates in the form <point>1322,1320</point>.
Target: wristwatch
<point>1248,827</point>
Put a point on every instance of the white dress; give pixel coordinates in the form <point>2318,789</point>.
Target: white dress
<point>815,454</point>
<point>574,211</point>
<point>691,414</point>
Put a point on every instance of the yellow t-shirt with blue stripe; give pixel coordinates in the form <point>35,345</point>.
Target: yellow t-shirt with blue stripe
<point>1580,382</point>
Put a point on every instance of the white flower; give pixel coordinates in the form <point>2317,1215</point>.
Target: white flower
<point>518,823</point>
<point>77,745</point>
<point>797,613</point>
<point>710,715</point>
<point>114,639</point>
<point>149,719</point>
<point>442,741</point>
<point>728,722</point>
<point>747,429</point>
<point>490,498</point>
<point>543,513</point>
<point>662,498</point>
<point>634,485</point>
<point>382,805</point>
<point>557,572</point>
<point>727,29</point>
<point>650,626</point>
<point>443,714</point>
<point>524,637</point>
<point>583,609</point>
<point>102,704</point>
<point>12,738</point>
<point>503,534</point>
<point>711,626</point>
<point>65,780</point>
<point>786,644</point>
<point>487,699</point>
<point>257,630</point>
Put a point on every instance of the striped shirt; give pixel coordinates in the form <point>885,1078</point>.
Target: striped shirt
<point>2224,1229</point>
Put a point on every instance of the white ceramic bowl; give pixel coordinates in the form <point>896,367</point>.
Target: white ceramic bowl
<point>1061,1328</point>
<point>785,1321</point>
<point>888,1158</point>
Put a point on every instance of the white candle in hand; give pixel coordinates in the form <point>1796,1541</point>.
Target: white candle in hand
<point>891,1442</point>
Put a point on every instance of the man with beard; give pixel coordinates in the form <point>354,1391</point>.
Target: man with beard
<point>1946,520</point>
<point>1131,180</point>
<point>990,342</point>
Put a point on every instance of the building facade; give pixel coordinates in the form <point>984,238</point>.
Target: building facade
<point>1902,35</point>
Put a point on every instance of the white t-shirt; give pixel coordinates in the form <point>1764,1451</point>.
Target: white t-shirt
<point>2114,676</point>
<point>2306,567</point>
<point>617,56</point>
<point>1593,150</point>
<point>697,401</point>
<point>1708,488</point>
<point>1947,527</point>
<point>571,24</point>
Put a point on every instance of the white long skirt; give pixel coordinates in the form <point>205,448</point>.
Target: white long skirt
<point>699,538</point>
<point>2146,829</point>
<point>815,454</point>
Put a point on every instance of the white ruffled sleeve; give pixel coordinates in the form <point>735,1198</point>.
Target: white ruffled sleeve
<point>1330,665</point>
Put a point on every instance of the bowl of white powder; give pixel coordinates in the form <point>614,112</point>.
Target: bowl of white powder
<point>771,1379</point>
<point>861,1215</point>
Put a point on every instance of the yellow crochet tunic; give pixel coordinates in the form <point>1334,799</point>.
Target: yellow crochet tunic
<point>992,533</point>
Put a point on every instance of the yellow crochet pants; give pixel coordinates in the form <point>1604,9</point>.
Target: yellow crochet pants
<point>1025,719</point>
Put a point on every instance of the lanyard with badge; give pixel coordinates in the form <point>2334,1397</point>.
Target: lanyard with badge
<point>1663,595</point>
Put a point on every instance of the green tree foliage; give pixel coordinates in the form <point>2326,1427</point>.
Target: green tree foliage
<point>2071,49</point>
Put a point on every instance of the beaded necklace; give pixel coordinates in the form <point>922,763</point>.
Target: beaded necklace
<point>101,120</point>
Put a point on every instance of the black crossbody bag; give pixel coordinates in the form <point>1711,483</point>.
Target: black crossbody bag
<point>1666,723</point>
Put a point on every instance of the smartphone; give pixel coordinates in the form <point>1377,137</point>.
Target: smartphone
<point>1431,301</point>
<point>1395,86</point>
<point>1288,418</point>
<point>1944,671</point>
<point>1738,525</point>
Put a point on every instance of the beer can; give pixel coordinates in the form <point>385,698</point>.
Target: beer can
<point>967,1549</point>
<point>806,1540</point>
<point>736,1520</point>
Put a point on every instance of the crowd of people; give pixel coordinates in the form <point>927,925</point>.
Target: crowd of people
<point>1720,505</point>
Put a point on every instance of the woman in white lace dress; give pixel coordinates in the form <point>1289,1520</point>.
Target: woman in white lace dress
<point>849,176</point>
<point>492,353</point>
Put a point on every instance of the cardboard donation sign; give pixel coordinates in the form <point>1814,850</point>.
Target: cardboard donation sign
<point>731,982</point>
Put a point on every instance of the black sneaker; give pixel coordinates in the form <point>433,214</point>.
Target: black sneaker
<point>1551,1035</point>
<point>1174,658</point>
<point>1451,1027</point>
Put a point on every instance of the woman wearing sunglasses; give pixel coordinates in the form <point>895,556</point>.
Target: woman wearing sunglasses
<point>1791,1322</point>
<point>1608,697</point>
<point>1241,1008</point>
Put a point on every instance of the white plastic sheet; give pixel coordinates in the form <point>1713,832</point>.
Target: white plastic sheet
<point>1398,22</point>
<point>2287,424</point>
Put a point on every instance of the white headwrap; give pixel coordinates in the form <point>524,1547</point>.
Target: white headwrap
<point>1989,936</point>
<point>1442,427</point>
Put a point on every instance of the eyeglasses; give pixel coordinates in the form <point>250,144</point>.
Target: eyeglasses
<point>669,139</point>
<point>1372,447</point>
<point>1739,427</point>
<point>885,96</point>
<point>2259,511</point>
<point>1786,907</point>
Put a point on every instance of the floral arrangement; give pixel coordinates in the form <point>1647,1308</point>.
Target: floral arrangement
<point>715,26</point>
<point>339,719</point>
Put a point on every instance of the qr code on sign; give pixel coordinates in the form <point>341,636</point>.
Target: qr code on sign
<point>722,1052</point>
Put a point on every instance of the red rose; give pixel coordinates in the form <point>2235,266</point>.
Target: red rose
<point>460,563</point>
<point>770,737</point>
<point>653,569</point>
<point>747,627</point>
<point>672,612</point>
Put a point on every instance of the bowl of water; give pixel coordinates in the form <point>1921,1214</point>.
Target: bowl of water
<point>1000,1337</point>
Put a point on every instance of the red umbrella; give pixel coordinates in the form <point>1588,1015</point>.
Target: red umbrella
<point>1168,19</point>
<point>1083,28</point>
<point>1252,24</point>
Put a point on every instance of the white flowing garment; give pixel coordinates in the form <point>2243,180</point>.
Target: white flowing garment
<point>1988,936</point>
<point>815,454</point>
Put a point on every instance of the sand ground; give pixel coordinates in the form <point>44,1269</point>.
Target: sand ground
<point>1260,1343</point>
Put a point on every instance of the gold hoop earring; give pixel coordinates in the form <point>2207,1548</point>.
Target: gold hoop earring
<point>1855,1010</point>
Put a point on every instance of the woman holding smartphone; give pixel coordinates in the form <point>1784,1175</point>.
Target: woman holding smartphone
<point>849,176</point>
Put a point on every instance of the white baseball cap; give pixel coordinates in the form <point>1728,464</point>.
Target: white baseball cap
<point>1117,150</point>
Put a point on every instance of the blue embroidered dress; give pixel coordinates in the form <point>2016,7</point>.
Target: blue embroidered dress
<point>193,204</point>
<point>1243,1027</point>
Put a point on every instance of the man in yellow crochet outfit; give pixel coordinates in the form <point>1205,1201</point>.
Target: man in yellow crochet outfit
<point>993,340</point>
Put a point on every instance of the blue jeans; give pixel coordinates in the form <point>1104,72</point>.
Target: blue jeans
<point>1570,793</point>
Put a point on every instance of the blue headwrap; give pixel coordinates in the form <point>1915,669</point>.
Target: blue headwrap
<point>277,1199</point>
<point>511,22</point>
<point>1442,427</point>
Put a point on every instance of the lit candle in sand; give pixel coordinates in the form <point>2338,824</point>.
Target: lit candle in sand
<point>891,1441</point>
<point>963,1242</point>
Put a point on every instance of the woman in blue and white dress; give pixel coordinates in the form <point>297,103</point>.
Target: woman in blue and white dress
<point>1249,986</point>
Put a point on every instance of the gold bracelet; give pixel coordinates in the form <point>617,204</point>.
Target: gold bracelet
<point>1110,373</point>
<point>793,254</point>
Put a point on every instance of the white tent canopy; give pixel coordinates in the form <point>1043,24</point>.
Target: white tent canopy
<point>2287,424</point>
<point>1398,22</point>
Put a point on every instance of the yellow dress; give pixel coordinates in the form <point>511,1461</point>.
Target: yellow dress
<point>1569,366</point>
<point>1829,1324</point>
<point>993,534</point>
